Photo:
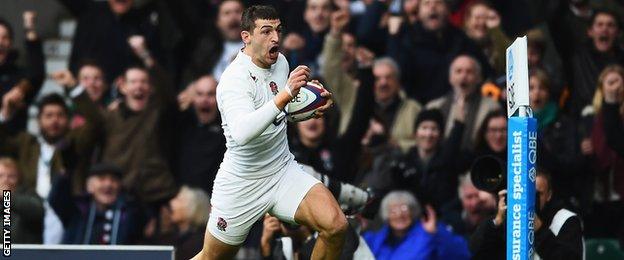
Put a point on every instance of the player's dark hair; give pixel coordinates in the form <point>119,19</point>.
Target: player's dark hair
<point>52,100</point>
<point>257,12</point>
<point>4,23</point>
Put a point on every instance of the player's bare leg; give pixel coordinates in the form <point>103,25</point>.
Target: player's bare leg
<point>320,211</point>
<point>215,249</point>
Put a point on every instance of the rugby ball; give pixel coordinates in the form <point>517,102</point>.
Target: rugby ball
<point>304,105</point>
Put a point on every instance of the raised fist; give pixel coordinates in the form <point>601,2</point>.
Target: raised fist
<point>64,78</point>
<point>29,19</point>
<point>339,20</point>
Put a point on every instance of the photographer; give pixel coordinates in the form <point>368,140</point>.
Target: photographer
<point>284,241</point>
<point>276,234</point>
<point>558,231</point>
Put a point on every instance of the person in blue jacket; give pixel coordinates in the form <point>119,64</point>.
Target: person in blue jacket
<point>404,236</point>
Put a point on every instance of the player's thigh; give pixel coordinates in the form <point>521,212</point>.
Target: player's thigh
<point>236,205</point>
<point>215,249</point>
<point>293,185</point>
<point>320,210</point>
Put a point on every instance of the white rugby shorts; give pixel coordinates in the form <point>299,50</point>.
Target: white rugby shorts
<point>238,203</point>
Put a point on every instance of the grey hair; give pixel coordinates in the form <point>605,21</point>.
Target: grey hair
<point>388,62</point>
<point>477,64</point>
<point>464,180</point>
<point>198,205</point>
<point>403,197</point>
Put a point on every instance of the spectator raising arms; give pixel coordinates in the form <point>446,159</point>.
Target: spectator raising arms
<point>19,85</point>
<point>464,77</point>
<point>425,50</point>
<point>137,131</point>
<point>403,236</point>
<point>102,32</point>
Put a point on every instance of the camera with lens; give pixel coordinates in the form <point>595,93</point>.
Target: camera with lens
<point>350,198</point>
<point>488,173</point>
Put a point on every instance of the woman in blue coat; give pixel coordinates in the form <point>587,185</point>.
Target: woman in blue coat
<point>404,236</point>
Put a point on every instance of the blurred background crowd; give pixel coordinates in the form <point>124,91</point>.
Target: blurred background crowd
<point>110,133</point>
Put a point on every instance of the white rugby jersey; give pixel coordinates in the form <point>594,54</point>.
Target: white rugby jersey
<point>254,128</point>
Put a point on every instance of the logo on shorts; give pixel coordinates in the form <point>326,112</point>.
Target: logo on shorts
<point>221,224</point>
<point>273,87</point>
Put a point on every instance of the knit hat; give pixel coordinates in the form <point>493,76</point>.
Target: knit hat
<point>430,115</point>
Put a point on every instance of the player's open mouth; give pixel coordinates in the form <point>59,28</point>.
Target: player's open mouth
<point>273,52</point>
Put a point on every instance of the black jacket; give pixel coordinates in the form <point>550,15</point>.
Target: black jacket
<point>434,182</point>
<point>28,78</point>
<point>202,44</point>
<point>84,224</point>
<point>102,36</point>
<point>425,57</point>
<point>614,127</point>
<point>558,146</point>
<point>489,241</point>
<point>27,218</point>
<point>199,150</point>
<point>581,61</point>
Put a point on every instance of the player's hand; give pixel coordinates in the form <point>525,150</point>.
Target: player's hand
<point>298,78</point>
<point>502,208</point>
<point>330,102</point>
<point>64,78</point>
<point>429,221</point>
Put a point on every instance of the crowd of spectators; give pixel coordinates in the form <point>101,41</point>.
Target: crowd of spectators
<point>128,151</point>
